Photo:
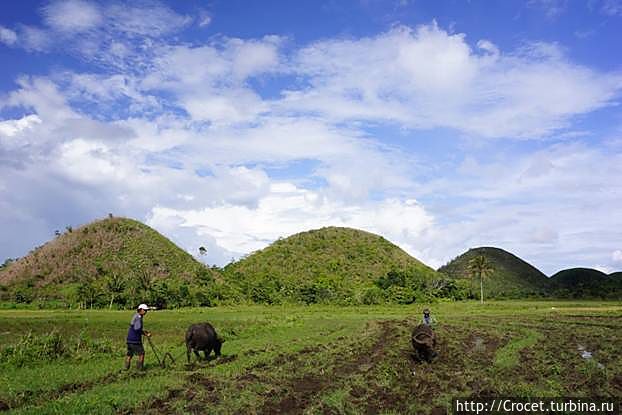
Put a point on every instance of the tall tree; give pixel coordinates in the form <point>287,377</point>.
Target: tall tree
<point>115,285</point>
<point>87,294</point>
<point>480,267</point>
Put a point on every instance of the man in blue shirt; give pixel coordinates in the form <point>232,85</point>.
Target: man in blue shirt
<point>135,339</point>
<point>428,320</point>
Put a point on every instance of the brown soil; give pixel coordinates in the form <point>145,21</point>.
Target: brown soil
<point>300,392</point>
<point>462,353</point>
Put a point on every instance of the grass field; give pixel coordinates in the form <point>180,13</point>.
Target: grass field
<point>319,359</point>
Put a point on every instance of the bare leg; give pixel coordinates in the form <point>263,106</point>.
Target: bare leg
<point>128,362</point>
<point>140,362</point>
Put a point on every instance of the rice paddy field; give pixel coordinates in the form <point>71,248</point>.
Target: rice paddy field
<point>308,360</point>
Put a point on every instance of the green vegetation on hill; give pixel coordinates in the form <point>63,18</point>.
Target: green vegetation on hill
<point>118,262</point>
<point>107,262</point>
<point>586,283</point>
<point>121,262</point>
<point>334,265</point>
<point>512,277</point>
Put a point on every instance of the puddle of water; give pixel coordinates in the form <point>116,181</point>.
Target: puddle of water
<point>588,356</point>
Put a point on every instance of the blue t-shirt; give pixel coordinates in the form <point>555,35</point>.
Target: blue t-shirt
<point>135,332</point>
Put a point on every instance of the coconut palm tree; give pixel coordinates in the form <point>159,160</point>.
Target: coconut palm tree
<point>480,267</point>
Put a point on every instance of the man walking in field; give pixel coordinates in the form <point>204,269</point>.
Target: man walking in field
<point>135,339</point>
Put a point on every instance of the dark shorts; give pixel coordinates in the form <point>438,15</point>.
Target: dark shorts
<point>135,348</point>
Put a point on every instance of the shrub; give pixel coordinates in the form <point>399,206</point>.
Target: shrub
<point>373,296</point>
<point>34,349</point>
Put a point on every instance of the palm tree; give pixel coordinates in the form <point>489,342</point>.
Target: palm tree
<point>479,266</point>
<point>115,285</point>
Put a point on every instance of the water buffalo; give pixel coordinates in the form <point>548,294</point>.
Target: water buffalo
<point>424,342</point>
<point>202,336</point>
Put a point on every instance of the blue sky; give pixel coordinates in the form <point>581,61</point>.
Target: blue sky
<point>441,125</point>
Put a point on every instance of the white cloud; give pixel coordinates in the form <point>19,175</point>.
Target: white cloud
<point>10,128</point>
<point>204,19</point>
<point>151,19</point>
<point>616,256</point>
<point>209,80</point>
<point>44,97</point>
<point>72,16</point>
<point>428,78</point>
<point>34,39</point>
<point>224,106</point>
<point>288,209</point>
<point>180,134</point>
<point>7,36</point>
<point>92,163</point>
<point>552,8</point>
<point>544,216</point>
<point>544,235</point>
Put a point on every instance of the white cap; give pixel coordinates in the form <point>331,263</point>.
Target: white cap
<point>143,307</point>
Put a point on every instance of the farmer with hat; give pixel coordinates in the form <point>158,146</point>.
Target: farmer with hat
<point>135,339</point>
<point>428,320</point>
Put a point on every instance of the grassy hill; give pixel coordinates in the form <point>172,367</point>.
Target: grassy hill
<point>339,263</point>
<point>113,254</point>
<point>586,283</point>
<point>512,277</point>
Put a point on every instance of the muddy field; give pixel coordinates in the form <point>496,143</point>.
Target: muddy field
<point>323,360</point>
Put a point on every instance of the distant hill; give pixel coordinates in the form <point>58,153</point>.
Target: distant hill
<point>512,277</point>
<point>122,262</point>
<point>586,283</point>
<point>338,258</point>
<point>112,248</point>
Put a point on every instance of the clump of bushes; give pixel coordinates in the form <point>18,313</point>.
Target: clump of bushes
<point>34,349</point>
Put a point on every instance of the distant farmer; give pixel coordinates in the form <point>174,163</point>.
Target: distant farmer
<point>135,339</point>
<point>428,320</point>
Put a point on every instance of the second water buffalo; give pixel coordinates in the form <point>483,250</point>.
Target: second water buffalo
<point>202,337</point>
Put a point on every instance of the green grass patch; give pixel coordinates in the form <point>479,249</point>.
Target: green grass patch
<point>309,359</point>
<point>508,356</point>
